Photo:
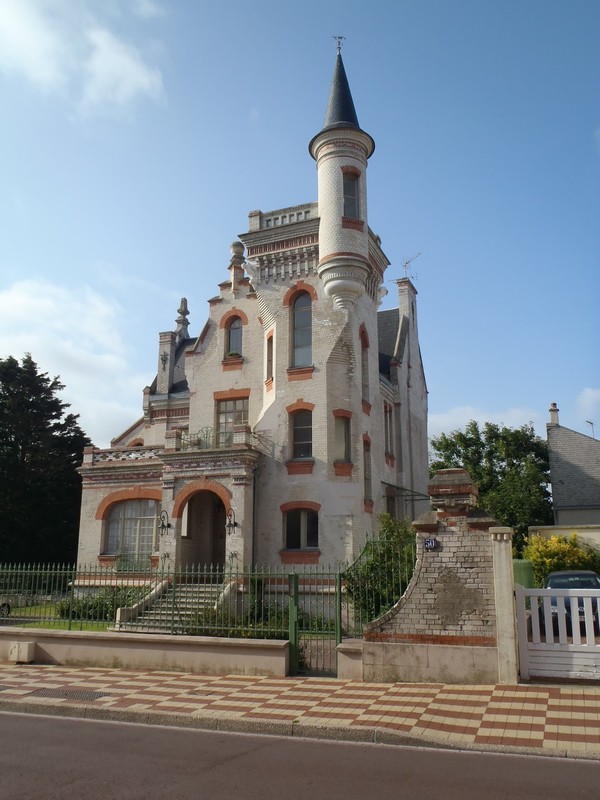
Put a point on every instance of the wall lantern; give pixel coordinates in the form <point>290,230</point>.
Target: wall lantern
<point>231,524</point>
<point>164,525</point>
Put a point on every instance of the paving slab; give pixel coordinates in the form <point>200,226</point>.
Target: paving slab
<point>551,720</point>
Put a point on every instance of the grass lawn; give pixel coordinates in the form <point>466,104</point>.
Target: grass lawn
<point>44,616</point>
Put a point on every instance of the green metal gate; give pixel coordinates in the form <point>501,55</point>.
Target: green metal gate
<point>315,622</point>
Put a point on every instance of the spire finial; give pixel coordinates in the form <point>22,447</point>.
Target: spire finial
<point>182,321</point>
<point>338,42</point>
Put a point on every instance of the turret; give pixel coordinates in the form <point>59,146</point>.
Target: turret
<point>341,150</point>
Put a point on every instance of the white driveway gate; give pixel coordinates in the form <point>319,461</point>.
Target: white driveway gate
<point>549,645</point>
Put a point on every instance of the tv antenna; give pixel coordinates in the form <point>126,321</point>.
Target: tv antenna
<point>405,265</point>
<point>590,422</point>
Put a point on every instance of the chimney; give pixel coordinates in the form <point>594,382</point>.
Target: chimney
<point>166,361</point>
<point>451,489</point>
<point>553,414</point>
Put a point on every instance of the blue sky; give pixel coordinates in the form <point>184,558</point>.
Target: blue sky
<point>136,136</point>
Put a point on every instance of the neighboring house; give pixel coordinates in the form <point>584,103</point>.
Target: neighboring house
<point>575,480</point>
<point>574,474</point>
<point>297,415</point>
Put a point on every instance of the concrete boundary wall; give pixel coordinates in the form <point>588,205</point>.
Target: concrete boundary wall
<point>208,655</point>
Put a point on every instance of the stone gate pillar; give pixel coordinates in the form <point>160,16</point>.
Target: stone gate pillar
<point>453,623</point>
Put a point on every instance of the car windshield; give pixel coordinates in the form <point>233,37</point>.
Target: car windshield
<point>573,582</point>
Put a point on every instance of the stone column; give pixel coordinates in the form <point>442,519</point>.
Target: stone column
<point>506,625</point>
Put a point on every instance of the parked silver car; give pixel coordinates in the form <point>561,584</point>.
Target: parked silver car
<point>573,579</point>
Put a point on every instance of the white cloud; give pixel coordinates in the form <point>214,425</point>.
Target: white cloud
<point>116,74</point>
<point>588,405</point>
<point>62,47</point>
<point>33,45</point>
<point>456,418</point>
<point>148,9</point>
<point>74,333</point>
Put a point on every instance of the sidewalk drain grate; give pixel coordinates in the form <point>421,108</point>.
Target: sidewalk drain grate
<point>68,694</point>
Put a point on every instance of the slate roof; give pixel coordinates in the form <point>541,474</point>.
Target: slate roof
<point>574,469</point>
<point>340,107</point>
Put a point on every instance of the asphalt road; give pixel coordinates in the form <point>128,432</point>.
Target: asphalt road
<point>44,758</point>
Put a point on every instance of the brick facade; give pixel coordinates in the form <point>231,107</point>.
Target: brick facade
<point>247,448</point>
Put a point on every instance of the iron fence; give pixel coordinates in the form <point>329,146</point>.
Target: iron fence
<point>312,607</point>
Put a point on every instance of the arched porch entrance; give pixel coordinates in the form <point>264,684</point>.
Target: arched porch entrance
<point>203,530</point>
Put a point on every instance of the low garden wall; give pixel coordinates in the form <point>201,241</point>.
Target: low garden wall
<point>210,655</point>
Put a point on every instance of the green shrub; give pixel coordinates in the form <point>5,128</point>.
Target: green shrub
<point>378,578</point>
<point>270,621</point>
<point>102,605</point>
<point>557,553</point>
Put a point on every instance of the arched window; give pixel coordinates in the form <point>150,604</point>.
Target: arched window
<point>131,528</point>
<point>302,331</point>
<point>233,344</point>
<point>302,434</point>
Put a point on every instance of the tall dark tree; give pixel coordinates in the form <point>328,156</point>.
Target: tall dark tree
<point>510,468</point>
<point>41,447</point>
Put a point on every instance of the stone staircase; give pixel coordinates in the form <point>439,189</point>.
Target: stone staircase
<point>176,609</point>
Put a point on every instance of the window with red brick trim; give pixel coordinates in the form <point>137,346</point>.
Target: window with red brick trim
<point>229,414</point>
<point>233,337</point>
<point>131,529</point>
<point>367,474</point>
<point>301,424</point>
<point>301,528</point>
<point>351,195</point>
<point>364,364</point>
<point>301,331</point>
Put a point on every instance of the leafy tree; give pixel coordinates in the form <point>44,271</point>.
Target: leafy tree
<point>379,576</point>
<point>41,447</point>
<point>510,468</point>
<point>558,552</point>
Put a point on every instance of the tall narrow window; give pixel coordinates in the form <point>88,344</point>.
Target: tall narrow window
<point>364,365</point>
<point>302,434</point>
<point>230,413</point>
<point>269,365</point>
<point>342,439</point>
<point>351,208</point>
<point>233,346</point>
<point>302,331</point>
<point>368,483</point>
<point>388,421</point>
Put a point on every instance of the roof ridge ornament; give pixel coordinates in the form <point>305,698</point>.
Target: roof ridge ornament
<point>338,42</point>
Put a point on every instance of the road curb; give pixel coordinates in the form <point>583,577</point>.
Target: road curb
<point>364,734</point>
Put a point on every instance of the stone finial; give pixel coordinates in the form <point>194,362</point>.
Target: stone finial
<point>182,321</point>
<point>553,414</point>
<point>452,488</point>
<point>237,254</point>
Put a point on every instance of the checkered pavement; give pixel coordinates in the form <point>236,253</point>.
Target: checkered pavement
<point>550,720</point>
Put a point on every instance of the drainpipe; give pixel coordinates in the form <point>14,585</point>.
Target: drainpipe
<point>253,514</point>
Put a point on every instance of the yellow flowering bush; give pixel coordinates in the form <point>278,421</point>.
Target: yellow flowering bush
<point>559,552</point>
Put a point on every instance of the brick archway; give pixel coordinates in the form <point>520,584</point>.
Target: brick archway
<point>193,488</point>
<point>134,493</point>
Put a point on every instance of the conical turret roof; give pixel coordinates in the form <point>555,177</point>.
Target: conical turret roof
<point>340,108</point>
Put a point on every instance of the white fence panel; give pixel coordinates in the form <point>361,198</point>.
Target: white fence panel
<point>559,634</point>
